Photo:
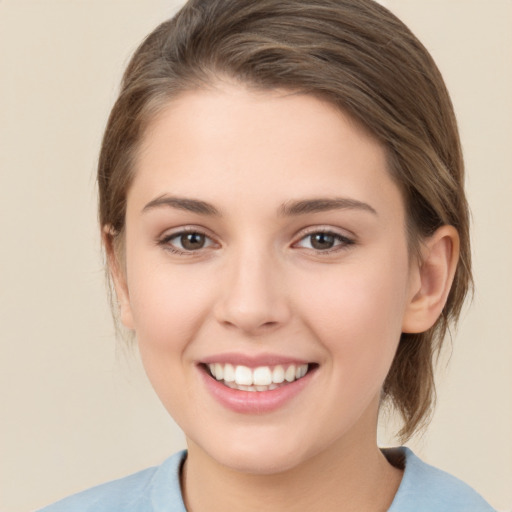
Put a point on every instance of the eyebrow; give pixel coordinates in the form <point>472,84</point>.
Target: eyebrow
<point>288,209</point>
<point>292,208</point>
<point>181,203</point>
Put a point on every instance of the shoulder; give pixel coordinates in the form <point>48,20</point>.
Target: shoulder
<point>425,488</point>
<point>140,492</point>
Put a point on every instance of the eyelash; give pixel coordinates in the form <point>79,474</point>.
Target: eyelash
<point>166,241</point>
<point>343,241</point>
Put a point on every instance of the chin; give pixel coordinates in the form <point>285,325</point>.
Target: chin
<point>259,463</point>
<point>248,455</point>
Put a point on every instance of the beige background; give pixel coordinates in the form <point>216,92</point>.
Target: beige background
<point>76,411</point>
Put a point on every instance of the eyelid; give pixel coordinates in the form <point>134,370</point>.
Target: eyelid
<point>346,239</point>
<point>165,238</point>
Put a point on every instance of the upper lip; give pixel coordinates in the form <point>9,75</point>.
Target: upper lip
<point>253,361</point>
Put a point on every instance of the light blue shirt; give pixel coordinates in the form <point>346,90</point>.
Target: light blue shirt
<point>423,489</point>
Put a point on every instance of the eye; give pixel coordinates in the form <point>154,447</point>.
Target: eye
<point>324,241</point>
<point>186,242</point>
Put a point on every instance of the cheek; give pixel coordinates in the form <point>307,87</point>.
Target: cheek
<point>356,312</point>
<point>168,303</point>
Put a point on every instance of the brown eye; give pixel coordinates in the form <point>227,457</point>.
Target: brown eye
<point>186,242</point>
<point>322,241</point>
<point>192,241</point>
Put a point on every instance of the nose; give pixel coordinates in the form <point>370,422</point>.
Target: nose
<point>254,298</point>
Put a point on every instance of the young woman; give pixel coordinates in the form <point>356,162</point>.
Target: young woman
<point>282,209</point>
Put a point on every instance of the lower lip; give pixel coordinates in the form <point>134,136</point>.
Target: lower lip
<point>254,402</point>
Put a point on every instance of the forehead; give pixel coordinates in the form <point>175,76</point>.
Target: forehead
<point>229,141</point>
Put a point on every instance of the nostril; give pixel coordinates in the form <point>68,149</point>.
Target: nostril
<point>251,326</point>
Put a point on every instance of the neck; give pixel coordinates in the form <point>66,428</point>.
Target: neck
<point>347,477</point>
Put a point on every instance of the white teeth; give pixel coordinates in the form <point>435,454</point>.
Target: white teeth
<point>219,371</point>
<point>301,371</point>
<point>243,376</point>
<point>278,374</point>
<point>229,373</point>
<point>262,378</point>
<point>289,374</point>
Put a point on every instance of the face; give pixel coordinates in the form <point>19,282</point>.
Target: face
<point>267,275</point>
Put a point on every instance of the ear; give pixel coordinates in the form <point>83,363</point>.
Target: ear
<point>432,280</point>
<point>118,276</point>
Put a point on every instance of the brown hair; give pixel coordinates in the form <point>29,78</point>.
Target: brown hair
<point>359,57</point>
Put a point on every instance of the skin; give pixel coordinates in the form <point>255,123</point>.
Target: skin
<point>259,286</point>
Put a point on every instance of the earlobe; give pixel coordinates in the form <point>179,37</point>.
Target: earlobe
<point>118,276</point>
<point>436,271</point>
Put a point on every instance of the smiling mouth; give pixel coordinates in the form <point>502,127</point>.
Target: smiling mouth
<point>262,378</point>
